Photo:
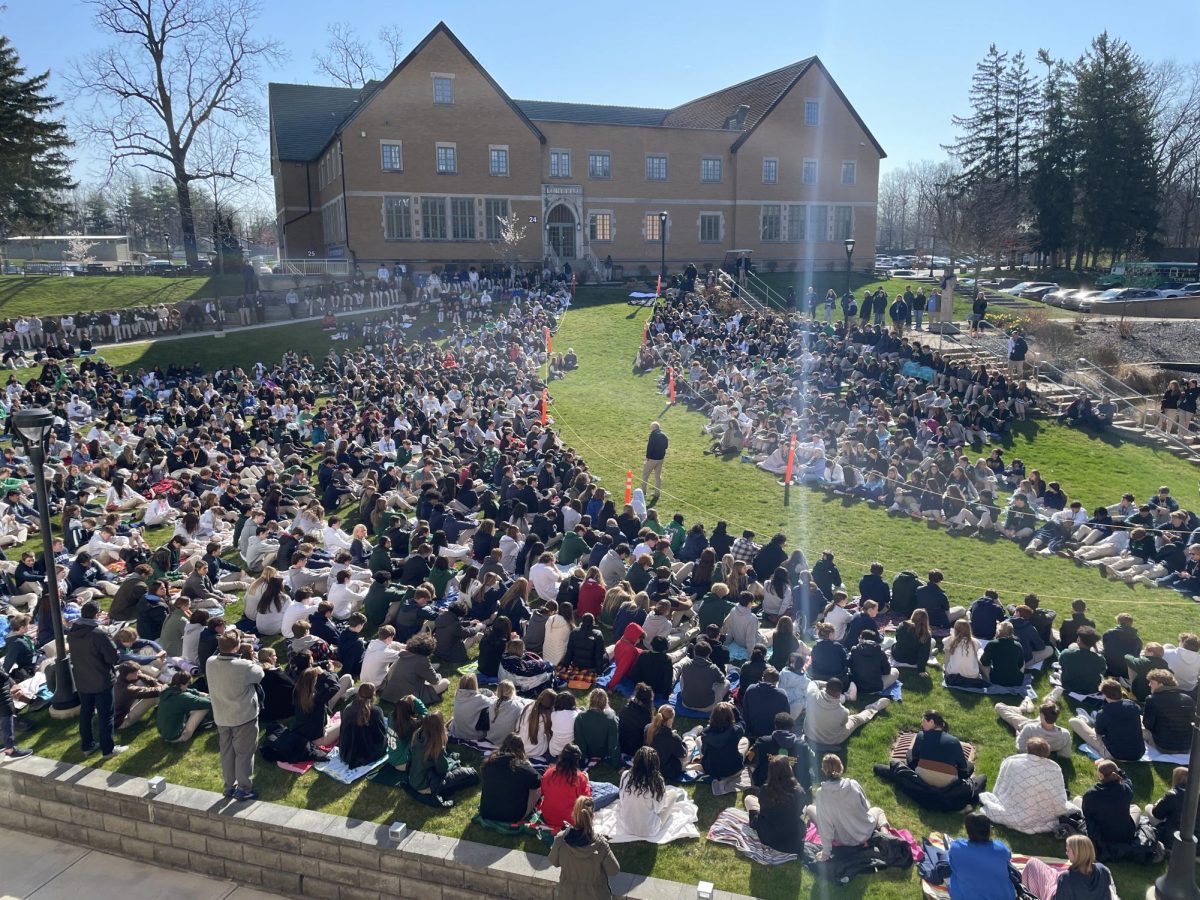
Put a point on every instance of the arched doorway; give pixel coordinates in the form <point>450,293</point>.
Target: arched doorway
<point>560,231</point>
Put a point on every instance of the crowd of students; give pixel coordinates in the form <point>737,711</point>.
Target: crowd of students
<point>477,532</point>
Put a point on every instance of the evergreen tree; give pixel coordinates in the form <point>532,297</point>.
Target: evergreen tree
<point>1052,187</point>
<point>34,171</point>
<point>985,135</point>
<point>1020,101</point>
<point>1117,178</point>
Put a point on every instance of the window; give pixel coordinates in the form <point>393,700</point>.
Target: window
<point>493,211</point>
<point>599,165</point>
<point>818,224</point>
<point>843,222</point>
<point>447,159</point>
<point>810,171</point>
<point>433,218</point>
<point>849,171</point>
<point>462,219</point>
<point>560,163</point>
<point>498,160</point>
<point>812,112</point>
<point>397,218</point>
<point>796,222</point>
<point>656,168</point>
<point>443,89</point>
<point>710,170</point>
<point>770,170</point>
<point>391,159</point>
<point>600,226</point>
<point>710,227</point>
<point>653,229</point>
<point>333,221</point>
<point>772,222</point>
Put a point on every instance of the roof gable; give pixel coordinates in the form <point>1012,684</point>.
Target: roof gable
<point>305,116</point>
<point>759,94</point>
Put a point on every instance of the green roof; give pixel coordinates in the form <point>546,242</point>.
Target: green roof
<point>590,113</point>
<point>305,116</point>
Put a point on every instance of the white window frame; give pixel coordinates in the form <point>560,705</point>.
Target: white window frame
<point>666,159</point>
<point>720,236</point>
<point>607,154</point>
<point>833,221</point>
<point>853,164</point>
<point>558,155</point>
<point>608,214</point>
<point>444,203</point>
<point>787,220</point>
<point>774,160</point>
<point>646,225</point>
<point>492,148</point>
<point>437,157</point>
<point>818,229</point>
<point>410,229</point>
<point>449,78</point>
<point>817,103</point>
<point>762,221</point>
<point>816,170</point>
<point>468,220</point>
<point>720,170</point>
<point>399,145</point>
<point>493,222</point>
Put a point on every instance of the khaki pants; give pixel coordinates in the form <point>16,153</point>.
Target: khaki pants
<point>238,744</point>
<point>138,711</point>
<point>194,720</point>
<point>1087,733</point>
<point>652,466</point>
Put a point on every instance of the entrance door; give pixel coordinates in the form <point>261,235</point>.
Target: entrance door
<point>560,228</point>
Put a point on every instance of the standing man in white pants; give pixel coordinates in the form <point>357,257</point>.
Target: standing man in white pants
<point>656,452</point>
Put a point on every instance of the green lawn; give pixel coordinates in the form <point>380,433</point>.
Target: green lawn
<point>50,296</point>
<point>604,410</point>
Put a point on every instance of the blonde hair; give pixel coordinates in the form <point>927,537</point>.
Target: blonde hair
<point>468,683</point>
<point>598,699</point>
<point>664,718</point>
<point>505,690</point>
<point>582,816</point>
<point>1082,853</point>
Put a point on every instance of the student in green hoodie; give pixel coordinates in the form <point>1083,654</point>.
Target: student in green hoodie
<point>181,710</point>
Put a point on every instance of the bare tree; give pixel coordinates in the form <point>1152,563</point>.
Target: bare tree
<point>176,70</point>
<point>351,61</point>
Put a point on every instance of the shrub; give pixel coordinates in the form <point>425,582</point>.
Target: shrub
<point>1143,378</point>
<point>1054,338</point>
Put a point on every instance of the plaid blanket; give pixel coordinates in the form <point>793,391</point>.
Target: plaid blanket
<point>1019,860</point>
<point>578,679</point>
<point>732,827</point>
<point>904,743</point>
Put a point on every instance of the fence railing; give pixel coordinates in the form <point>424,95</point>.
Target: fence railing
<point>336,268</point>
<point>740,291</point>
<point>767,292</point>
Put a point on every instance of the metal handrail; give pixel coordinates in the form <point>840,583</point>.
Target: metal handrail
<point>746,296</point>
<point>758,284</point>
<point>333,267</point>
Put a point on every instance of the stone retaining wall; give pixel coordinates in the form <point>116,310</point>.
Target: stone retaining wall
<point>295,852</point>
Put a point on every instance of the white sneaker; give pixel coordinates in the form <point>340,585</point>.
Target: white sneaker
<point>117,749</point>
<point>1027,707</point>
<point>1055,695</point>
<point>881,704</point>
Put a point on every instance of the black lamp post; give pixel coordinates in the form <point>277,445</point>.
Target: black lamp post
<point>849,255</point>
<point>662,244</point>
<point>1179,882</point>
<point>32,427</point>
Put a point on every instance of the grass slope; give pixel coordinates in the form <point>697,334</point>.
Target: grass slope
<point>51,296</point>
<point>604,410</point>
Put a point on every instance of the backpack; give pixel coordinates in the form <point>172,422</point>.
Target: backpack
<point>904,593</point>
<point>281,744</point>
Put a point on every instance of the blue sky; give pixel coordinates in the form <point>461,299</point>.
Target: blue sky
<point>905,66</point>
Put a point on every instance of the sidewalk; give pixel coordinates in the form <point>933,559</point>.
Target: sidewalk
<point>42,869</point>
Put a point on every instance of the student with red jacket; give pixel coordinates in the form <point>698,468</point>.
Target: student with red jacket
<point>591,594</point>
<point>626,652</point>
<point>561,785</point>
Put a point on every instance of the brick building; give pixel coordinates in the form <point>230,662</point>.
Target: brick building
<point>422,166</point>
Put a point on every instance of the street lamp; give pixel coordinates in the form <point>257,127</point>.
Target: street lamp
<point>32,427</point>
<point>662,243</point>
<point>1179,882</point>
<point>849,255</point>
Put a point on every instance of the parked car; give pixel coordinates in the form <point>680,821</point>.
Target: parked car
<point>1193,288</point>
<point>1074,300</point>
<point>1037,291</point>
<point>903,273</point>
<point>95,268</point>
<point>1059,297</point>
<point>1117,296</point>
<point>1172,289</point>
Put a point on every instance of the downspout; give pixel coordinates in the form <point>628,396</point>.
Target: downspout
<point>346,207</point>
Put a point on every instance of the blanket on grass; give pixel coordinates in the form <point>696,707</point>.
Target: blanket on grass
<point>1024,689</point>
<point>1153,755</point>
<point>681,710</point>
<point>905,741</point>
<point>339,771</point>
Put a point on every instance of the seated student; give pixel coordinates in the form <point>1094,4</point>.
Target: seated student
<point>719,653</point>
<point>741,625</point>
<point>777,813</point>
<point>762,703</point>
<point>402,727</point>
<point>412,673</point>
<point>985,614</point>
<point>379,655</point>
<point>647,809</point>
<point>316,689</point>
<point>473,707</point>
<point>785,642</point>
<point>625,653</point>
<point>492,646</point>
<point>562,784</point>
<point>660,734</point>
<point>1082,667</point>
<point>1111,819</point>
<point>1168,714</point>
<point>1032,646</point>
<point>962,667</point>
<point>840,809</point>
<point>777,596</point>
<point>932,598</point>
<point>837,615</point>
<point>827,723</point>
<point>181,710</point>
<point>562,722</point>
<point>655,668</point>
<point>278,687</point>
<point>936,774</point>
<point>1044,726</point>
<point>1184,660</point>
<point>657,623</point>
<point>1121,641</point>
<point>1141,665</point>
<point>1167,813</point>
<point>1070,627</point>
<point>701,684</point>
<point>828,657</point>
<point>135,693</point>
<point>509,785</point>
<point>584,858</point>
<point>364,730</point>
<point>505,713</point>
<point>914,641</point>
<point>1086,879</point>
<point>751,671</point>
<point>782,741</point>
<point>434,774</point>
<point>719,753</point>
<point>1117,731</point>
<point>1029,795</point>
<point>715,606</point>
<point>416,612</point>
<point>1003,660</point>
<point>585,649</point>
<point>871,671</point>
<point>350,646</point>
<point>596,730</point>
<point>534,724</point>
<point>979,866</point>
<point>633,719</point>
<point>863,620</point>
